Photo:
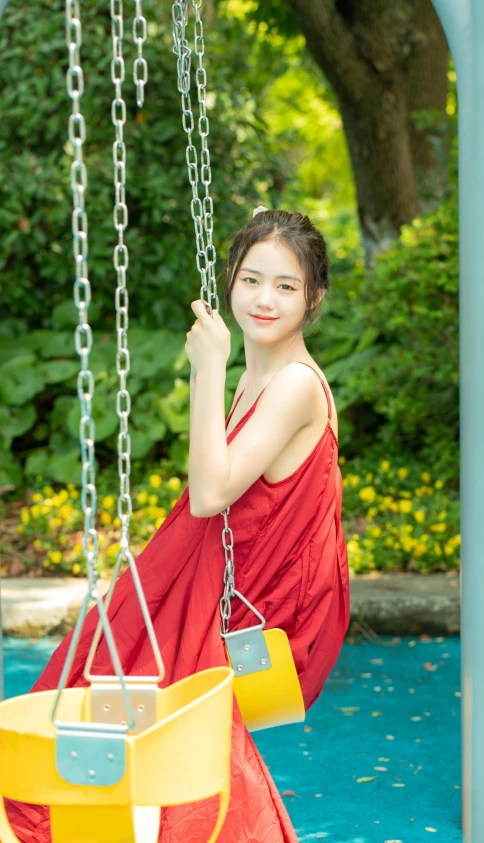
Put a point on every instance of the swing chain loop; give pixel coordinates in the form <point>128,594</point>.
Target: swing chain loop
<point>139,37</point>
<point>82,288</point>
<point>120,262</point>
<point>201,210</point>
<point>202,214</point>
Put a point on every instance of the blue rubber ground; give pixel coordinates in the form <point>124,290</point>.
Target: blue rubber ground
<point>378,758</point>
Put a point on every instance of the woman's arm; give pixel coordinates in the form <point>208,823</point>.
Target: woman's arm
<point>208,453</point>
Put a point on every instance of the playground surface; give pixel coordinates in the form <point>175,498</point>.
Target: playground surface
<point>378,758</point>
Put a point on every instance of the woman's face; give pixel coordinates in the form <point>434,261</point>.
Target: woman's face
<point>270,282</point>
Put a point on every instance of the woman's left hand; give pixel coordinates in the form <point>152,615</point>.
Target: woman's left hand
<point>208,341</point>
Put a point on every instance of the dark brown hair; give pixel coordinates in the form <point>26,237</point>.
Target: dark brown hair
<point>298,233</point>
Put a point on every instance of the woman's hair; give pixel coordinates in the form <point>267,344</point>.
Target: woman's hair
<point>298,233</point>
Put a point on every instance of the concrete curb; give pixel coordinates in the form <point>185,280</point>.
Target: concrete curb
<point>385,604</point>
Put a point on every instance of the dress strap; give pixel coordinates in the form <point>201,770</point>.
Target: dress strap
<point>323,384</point>
<point>233,408</point>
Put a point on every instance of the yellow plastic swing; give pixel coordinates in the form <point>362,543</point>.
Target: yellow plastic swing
<point>184,756</point>
<point>105,777</point>
<point>266,683</point>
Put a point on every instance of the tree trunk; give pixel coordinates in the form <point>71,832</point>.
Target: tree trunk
<point>384,61</point>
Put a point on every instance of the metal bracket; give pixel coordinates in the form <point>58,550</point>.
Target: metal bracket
<point>108,706</point>
<point>248,651</point>
<point>87,754</point>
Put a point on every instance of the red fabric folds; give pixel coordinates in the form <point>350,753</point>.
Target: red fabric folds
<point>291,563</point>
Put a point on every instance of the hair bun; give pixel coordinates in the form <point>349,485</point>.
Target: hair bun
<point>258,210</point>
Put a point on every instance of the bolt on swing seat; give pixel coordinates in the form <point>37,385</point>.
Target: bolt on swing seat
<point>104,777</point>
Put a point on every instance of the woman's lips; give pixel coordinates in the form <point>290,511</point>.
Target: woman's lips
<point>263,318</point>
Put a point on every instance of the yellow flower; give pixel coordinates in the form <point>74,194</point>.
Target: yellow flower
<point>341,460</point>
<point>55,556</point>
<point>368,494</point>
<point>369,477</point>
<point>355,537</point>
<point>419,515</point>
<point>77,548</point>
<point>389,541</point>
<point>142,497</point>
<point>173,502</point>
<point>385,465</point>
<point>37,543</point>
<point>375,531</point>
<point>405,494</point>
<point>174,483</point>
<point>37,497</point>
<point>159,521</point>
<point>424,538</point>
<point>419,549</point>
<point>437,549</point>
<point>439,484</point>
<point>155,481</point>
<point>24,515</point>
<point>153,500</point>
<point>108,502</point>
<point>439,527</point>
<point>455,540</point>
<point>368,542</point>
<point>63,496</point>
<point>442,516</point>
<point>44,510</point>
<point>55,522</point>
<point>405,505</point>
<point>353,479</point>
<point>76,568</point>
<point>48,490</point>
<point>116,522</point>
<point>113,549</point>
<point>20,528</point>
<point>448,549</point>
<point>402,473</point>
<point>74,495</point>
<point>105,518</point>
<point>426,477</point>
<point>56,501</point>
<point>71,487</point>
<point>46,563</point>
<point>353,547</point>
<point>66,511</point>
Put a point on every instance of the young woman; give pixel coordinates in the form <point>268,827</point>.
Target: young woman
<point>274,461</point>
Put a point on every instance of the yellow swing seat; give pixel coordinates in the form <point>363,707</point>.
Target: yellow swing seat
<point>271,697</point>
<point>266,684</point>
<point>183,757</point>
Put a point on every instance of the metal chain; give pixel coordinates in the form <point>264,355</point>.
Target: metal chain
<point>139,37</point>
<point>202,215</point>
<point>82,289</point>
<point>203,131</point>
<point>120,261</point>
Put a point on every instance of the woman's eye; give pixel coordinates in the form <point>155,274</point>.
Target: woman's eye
<point>282,285</point>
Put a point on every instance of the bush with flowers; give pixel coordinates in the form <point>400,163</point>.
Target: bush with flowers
<point>47,528</point>
<point>398,517</point>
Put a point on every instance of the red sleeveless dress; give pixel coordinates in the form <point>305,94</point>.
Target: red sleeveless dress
<point>290,562</point>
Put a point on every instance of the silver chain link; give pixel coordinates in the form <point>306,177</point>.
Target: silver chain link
<point>82,289</point>
<point>202,214</point>
<point>139,37</point>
